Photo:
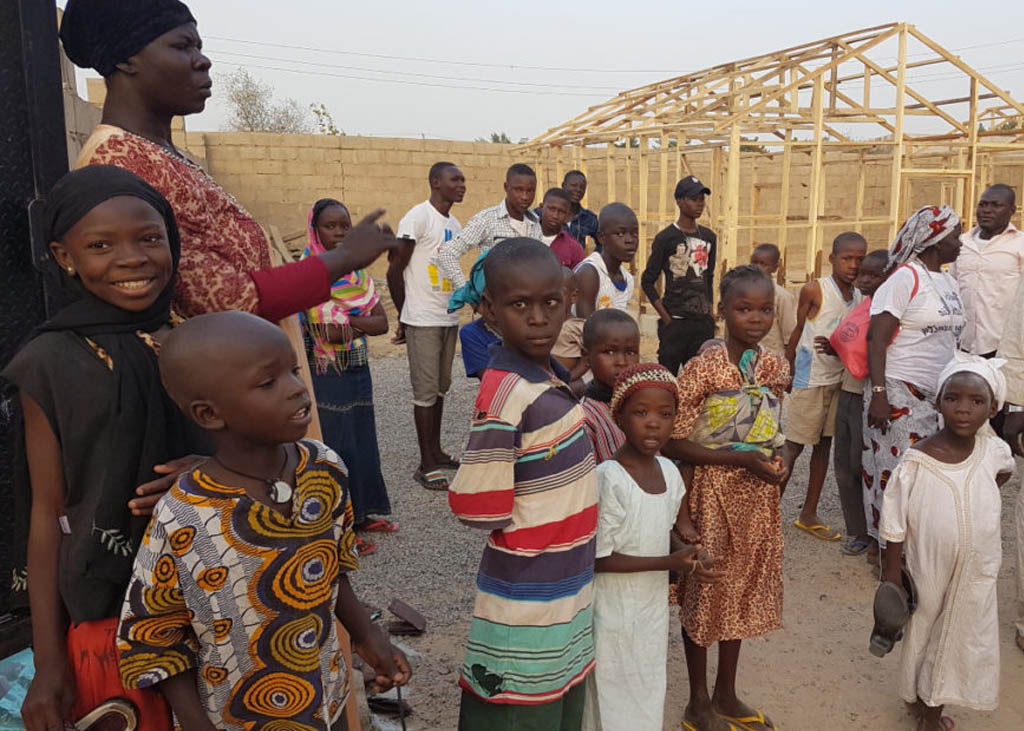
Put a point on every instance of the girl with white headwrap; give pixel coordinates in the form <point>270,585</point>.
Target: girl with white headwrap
<point>916,320</point>
<point>942,507</point>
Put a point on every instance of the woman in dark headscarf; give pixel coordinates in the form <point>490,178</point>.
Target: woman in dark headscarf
<point>149,53</point>
<point>97,422</point>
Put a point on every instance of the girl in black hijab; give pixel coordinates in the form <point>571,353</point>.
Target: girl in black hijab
<point>97,423</point>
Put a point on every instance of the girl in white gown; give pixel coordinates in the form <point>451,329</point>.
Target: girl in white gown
<point>639,496</point>
<point>942,508</point>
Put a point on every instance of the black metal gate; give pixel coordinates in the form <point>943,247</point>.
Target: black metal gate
<point>33,155</point>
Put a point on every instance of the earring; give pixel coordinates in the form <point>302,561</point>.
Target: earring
<point>71,271</point>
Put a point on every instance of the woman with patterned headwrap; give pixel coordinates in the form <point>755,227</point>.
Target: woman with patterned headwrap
<point>916,321</point>
<point>150,55</point>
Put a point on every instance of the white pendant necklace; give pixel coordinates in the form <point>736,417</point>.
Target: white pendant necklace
<point>278,489</point>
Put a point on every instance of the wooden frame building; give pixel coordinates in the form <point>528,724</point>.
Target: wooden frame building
<point>845,133</point>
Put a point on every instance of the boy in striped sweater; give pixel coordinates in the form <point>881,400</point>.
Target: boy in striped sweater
<point>527,476</point>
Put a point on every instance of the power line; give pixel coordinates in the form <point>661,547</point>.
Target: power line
<point>421,75</point>
<point>408,83</point>
<point>511,67</point>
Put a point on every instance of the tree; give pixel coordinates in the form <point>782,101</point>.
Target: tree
<point>254,109</point>
<point>324,120</point>
<point>497,137</point>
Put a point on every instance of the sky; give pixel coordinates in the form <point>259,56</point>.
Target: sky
<point>462,69</point>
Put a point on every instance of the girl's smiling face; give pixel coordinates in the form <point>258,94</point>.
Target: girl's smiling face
<point>332,225</point>
<point>120,252</point>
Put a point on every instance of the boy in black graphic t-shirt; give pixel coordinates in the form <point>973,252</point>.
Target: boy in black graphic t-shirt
<point>684,253</point>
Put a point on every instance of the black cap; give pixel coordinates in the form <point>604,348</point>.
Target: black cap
<point>690,187</point>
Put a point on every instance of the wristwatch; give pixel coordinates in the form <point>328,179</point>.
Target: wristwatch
<point>1013,409</point>
<point>881,389</point>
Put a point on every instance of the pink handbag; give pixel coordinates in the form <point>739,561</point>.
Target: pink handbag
<point>850,339</point>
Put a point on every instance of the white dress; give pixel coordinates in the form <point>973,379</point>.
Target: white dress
<point>948,518</point>
<point>626,691</point>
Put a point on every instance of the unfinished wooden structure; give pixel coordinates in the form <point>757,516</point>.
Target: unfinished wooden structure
<point>847,132</point>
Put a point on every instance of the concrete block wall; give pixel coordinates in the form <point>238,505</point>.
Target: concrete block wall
<point>278,177</point>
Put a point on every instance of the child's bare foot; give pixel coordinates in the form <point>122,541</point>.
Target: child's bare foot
<point>739,712</point>
<point>702,717</point>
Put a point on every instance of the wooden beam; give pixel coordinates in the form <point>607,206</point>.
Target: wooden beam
<point>897,153</point>
<point>732,199</point>
<point>814,190</point>
<point>643,163</point>
<point>967,212</point>
<point>609,157</point>
<point>582,167</point>
<point>787,161</point>
<point>663,159</point>
<point>861,184</point>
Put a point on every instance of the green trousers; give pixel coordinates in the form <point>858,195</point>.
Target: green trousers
<point>565,714</point>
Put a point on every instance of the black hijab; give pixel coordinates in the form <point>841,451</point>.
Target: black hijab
<point>100,34</point>
<point>146,428</point>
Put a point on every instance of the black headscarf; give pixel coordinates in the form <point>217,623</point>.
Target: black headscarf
<point>100,34</point>
<point>145,428</point>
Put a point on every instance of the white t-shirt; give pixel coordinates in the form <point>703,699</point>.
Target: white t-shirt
<point>426,293</point>
<point>520,227</point>
<point>548,240</point>
<point>930,324</point>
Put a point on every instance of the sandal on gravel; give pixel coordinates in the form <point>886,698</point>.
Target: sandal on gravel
<point>856,547</point>
<point>449,463</point>
<point>433,480</point>
<point>378,525</point>
<point>745,722</point>
<point>688,725</point>
<point>824,532</point>
<point>365,548</point>
<point>388,706</point>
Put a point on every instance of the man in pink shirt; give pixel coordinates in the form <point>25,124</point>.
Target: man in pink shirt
<point>989,270</point>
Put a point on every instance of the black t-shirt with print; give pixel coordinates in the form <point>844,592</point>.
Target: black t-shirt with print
<point>687,261</point>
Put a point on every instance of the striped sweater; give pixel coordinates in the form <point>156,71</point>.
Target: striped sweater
<point>528,476</point>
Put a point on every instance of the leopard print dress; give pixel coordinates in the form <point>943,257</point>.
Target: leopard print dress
<point>736,514</point>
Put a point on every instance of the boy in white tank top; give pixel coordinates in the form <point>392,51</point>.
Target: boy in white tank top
<point>817,377</point>
<point>603,281</point>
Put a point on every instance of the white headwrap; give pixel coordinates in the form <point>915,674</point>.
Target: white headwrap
<point>990,369</point>
<point>925,228</point>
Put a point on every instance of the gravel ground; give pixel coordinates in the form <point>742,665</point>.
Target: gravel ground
<point>816,673</point>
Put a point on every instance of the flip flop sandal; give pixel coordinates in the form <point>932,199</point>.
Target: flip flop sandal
<point>854,548</point>
<point>365,548</point>
<point>377,526</point>
<point>744,722</point>
<point>687,726</point>
<point>433,480</point>
<point>822,532</point>
<point>892,611</point>
<point>116,713</point>
<point>947,723</point>
<point>451,463</point>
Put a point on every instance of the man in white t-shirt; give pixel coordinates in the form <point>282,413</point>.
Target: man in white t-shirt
<point>420,293</point>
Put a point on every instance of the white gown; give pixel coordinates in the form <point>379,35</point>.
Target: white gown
<point>948,518</point>
<point>626,691</point>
